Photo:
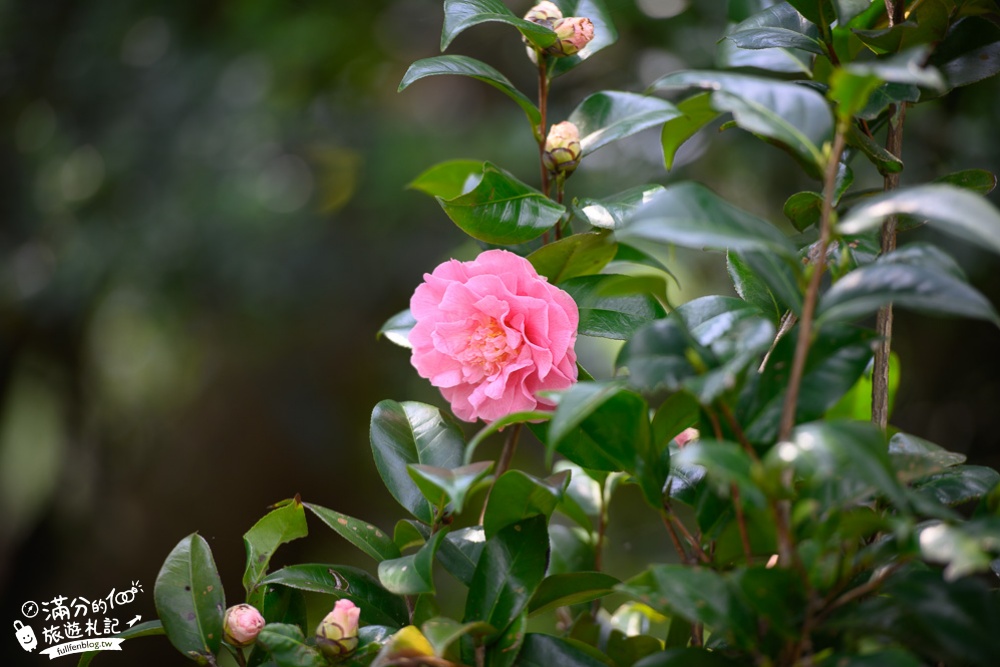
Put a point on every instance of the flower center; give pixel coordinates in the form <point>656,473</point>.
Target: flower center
<point>489,347</point>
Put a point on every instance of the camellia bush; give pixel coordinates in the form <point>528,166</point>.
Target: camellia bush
<point>800,527</point>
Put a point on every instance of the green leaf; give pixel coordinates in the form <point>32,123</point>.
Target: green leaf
<point>854,453</point>
<point>533,416</point>
<point>611,212</point>
<point>820,13</point>
<point>884,161</point>
<point>696,113</point>
<point>656,356</point>
<point>460,552</point>
<point>571,588</point>
<point>886,94</point>
<point>190,601</point>
<point>675,414</point>
<point>361,534</point>
<point>281,525</point>
<point>147,629</point>
<point>612,115</point>
<point>697,594</point>
<point>775,594</point>
<point>573,256</point>
<point>503,652</point>
<point>571,549</point>
<point>380,607</point>
<point>783,281</point>
<point>726,463</point>
<point>951,209</point>
<point>541,650</point>
<point>959,484</point>
<point>604,33</point>
<point>803,209</point>
<point>441,485</point>
<point>777,26</point>
<point>687,657</point>
<point>857,403</point>
<point>609,305</point>
<point>287,645</point>
<point>850,91</point>
<point>913,457</point>
<point>837,358</point>
<point>509,571</point>
<point>397,328</point>
<point>449,179</point>
<point>462,14</point>
<point>465,66</point>
<point>977,180</point>
<point>691,215</point>
<point>793,115</point>
<point>413,574</point>
<point>405,433</point>
<point>443,632</point>
<point>961,550</point>
<point>517,496</point>
<point>502,210</point>
<point>923,288</point>
<point>908,67</point>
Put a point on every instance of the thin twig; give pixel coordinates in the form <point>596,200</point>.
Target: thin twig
<point>681,553</point>
<point>812,293</point>
<point>503,465</point>
<point>543,104</point>
<point>741,522</point>
<point>691,540</point>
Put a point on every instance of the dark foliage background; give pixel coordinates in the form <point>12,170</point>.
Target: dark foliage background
<point>204,221</point>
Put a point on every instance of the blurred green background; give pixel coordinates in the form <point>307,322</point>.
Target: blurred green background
<point>204,221</point>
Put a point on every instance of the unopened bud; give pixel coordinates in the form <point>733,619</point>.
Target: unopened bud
<point>337,635</point>
<point>544,13</point>
<point>562,148</point>
<point>572,34</point>
<point>686,436</point>
<point>241,624</point>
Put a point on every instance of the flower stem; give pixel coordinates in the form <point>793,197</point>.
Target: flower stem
<point>543,104</point>
<point>503,465</point>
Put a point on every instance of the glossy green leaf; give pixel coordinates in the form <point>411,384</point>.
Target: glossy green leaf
<point>977,180</point>
<point>282,604</point>
<point>605,33</point>
<point>886,94</point>
<point>460,551</point>
<point>857,403</point>
<point>850,91</point>
<point>504,650</point>
<point>777,26</point>
<point>509,571</point>
<point>612,115</point>
<point>283,524</point>
<point>465,66</point>
<point>923,288</point>
<point>687,657</point>
<point>950,209</point>
<point>571,588</point>
<point>837,358</point>
<point>913,457</point>
<point>696,113</point>
<point>726,463</point>
<point>959,484</point>
<point>751,288</point>
<point>613,417</point>
<point>611,305</point>
<point>656,356</point>
<point>533,416</point>
<point>611,212</point>
<point>190,601</point>
<point>678,412</point>
<point>793,115</point>
<point>517,496</point>
<point>541,650</point>
<point>501,209</point>
<point>462,14</point>
<point>409,534</point>
<point>443,632</point>
<point>803,209</point>
<point>848,9</point>
<point>691,215</point>
<point>397,328</point>
<point>413,574</point>
<point>573,256</point>
<point>287,646</point>
<point>443,485</point>
<point>782,279</point>
<point>973,66</point>
<point>697,594</point>
<point>908,67</point>
<point>405,433</point>
<point>449,179</point>
<point>361,534</point>
<point>571,549</point>
<point>884,161</point>
<point>380,606</point>
<point>820,13</point>
<point>147,629</point>
<point>855,453</point>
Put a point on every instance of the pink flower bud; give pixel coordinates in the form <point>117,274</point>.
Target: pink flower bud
<point>242,624</point>
<point>686,436</point>
<point>337,635</point>
<point>562,148</point>
<point>572,34</point>
<point>544,13</point>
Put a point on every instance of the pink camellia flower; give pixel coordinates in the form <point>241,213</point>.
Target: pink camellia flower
<point>337,634</point>
<point>491,334</point>
<point>241,624</point>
